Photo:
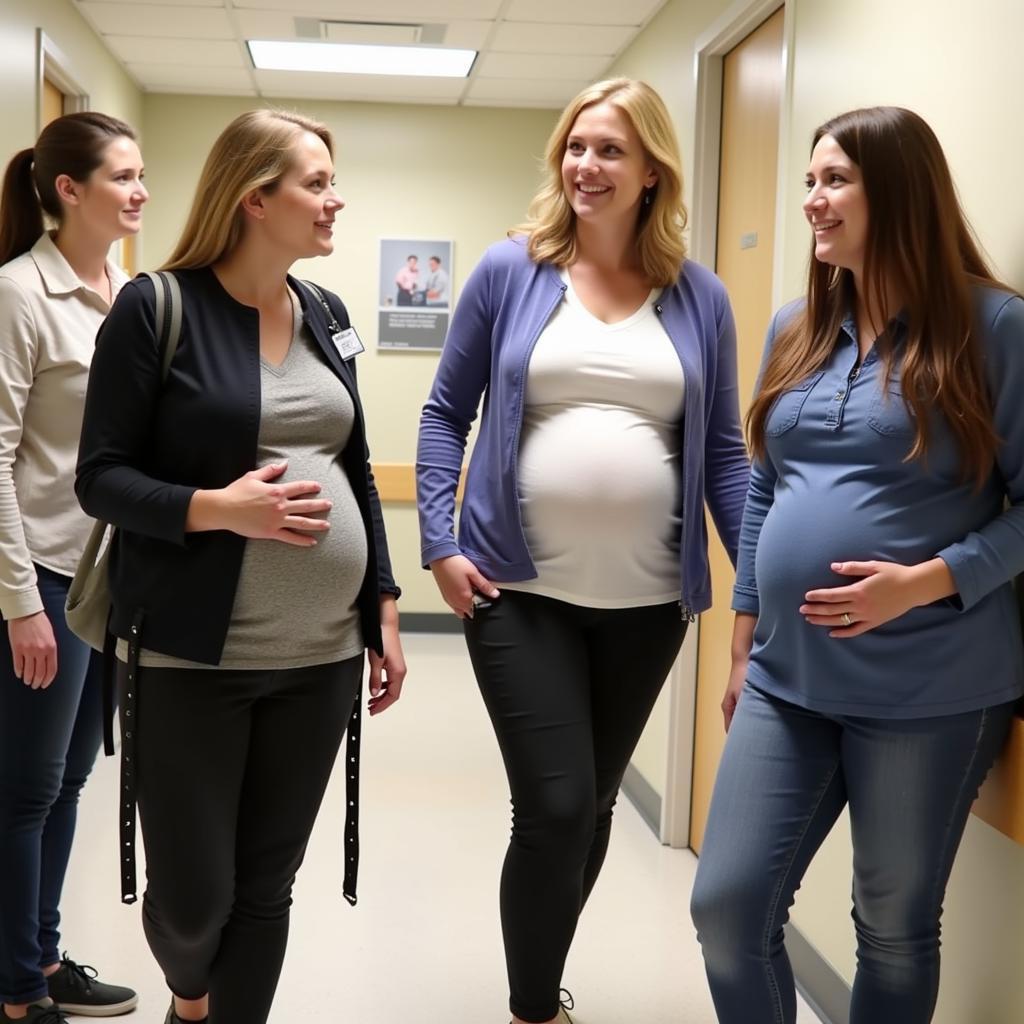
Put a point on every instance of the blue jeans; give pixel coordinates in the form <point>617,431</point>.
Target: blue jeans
<point>786,774</point>
<point>48,743</point>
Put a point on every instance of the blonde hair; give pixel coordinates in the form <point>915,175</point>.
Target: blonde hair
<point>551,222</point>
<point>254,151</point>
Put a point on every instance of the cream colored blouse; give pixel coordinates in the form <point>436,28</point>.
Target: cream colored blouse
<point>48,325</point>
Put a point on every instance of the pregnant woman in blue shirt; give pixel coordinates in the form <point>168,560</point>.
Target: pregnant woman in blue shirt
<point>877,650</point>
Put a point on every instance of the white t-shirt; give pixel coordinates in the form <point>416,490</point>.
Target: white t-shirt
<point>599,471</point>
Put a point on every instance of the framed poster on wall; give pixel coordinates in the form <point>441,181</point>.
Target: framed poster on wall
<point>414,293</point>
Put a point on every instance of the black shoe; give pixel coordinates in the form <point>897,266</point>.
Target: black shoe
<point>39,1013</point>
<point>566,1003</point>
<point>173,1018</point>
<point>75,989</point>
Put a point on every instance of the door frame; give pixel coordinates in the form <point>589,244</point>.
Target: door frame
<point>734,25</point>
<point>729,29</point>
<point>51,63</point>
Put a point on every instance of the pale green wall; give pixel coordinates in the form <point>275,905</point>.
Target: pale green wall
<point>650,758</point>
<point>662,55</point>
<point>110,89</point>
<point>403,171</point>
<point>959,65</point>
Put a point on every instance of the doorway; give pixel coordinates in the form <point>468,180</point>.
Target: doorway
<point>752,86</point>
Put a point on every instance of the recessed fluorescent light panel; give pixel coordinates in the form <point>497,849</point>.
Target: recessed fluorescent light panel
<point>359,59</point>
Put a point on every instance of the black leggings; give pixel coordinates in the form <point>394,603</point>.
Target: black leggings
<point>232,767</point>
<point>569,690</point>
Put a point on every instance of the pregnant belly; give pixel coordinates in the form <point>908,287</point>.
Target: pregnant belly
<point>805,531</point>
<point>598,471</point>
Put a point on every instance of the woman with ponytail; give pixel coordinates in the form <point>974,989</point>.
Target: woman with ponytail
<point>84,175</point>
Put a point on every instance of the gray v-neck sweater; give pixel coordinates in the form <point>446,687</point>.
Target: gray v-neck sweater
<point>295,606</point>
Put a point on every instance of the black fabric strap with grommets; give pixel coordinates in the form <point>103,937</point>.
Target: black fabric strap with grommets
<point>129,761</point>
<point>167,323</point>
<point>348,887</point>
<point>352,746</point>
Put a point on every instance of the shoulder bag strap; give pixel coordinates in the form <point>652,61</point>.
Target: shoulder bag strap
<point>168,315</point>
<point>168,326</point>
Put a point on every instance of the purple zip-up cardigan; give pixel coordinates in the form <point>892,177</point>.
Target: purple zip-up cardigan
<point>504,306</point>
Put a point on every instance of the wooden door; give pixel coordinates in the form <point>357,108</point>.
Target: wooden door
<point>751,103</point>
<point>52,103</point>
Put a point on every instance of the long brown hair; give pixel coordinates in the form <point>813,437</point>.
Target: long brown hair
<point>920,248</point>
<point>551,222</point>
<point>73,145</point>
<point>255,151</point>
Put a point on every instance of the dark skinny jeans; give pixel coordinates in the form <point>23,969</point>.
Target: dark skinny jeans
<point>569,690</point>
<point>48,743</point>
<point>232,768</point>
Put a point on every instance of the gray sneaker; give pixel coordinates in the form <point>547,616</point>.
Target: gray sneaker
<point>43,1012</point>
<point>76,988</point>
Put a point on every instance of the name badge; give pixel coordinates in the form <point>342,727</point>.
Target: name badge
<point>347,343</point>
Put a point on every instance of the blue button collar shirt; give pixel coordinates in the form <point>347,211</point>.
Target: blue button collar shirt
<point>834,487</point>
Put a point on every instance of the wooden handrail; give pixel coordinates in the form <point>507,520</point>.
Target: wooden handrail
<point>1001,800</point>
<point>396,482</point>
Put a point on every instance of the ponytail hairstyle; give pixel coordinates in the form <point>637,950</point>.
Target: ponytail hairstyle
<point>74,145</point>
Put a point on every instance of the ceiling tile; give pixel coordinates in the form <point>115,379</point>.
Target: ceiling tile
<point>469,35</point>
<point>555,90</point>
<point>521,37</point>
<point>518,104</point>
<point>199,52</point>
<point>544,65</point>
<point>583,12</point>
<point>82,4</point>
<point>380,10</point>
<point>162,20</point>
<point>168,77</point>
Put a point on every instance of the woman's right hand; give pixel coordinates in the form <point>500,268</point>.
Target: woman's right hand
<point>254,507</point>
<point>742,642</point>
<point>33,649</point>
<point>737,678</point>
<point>458,578</point>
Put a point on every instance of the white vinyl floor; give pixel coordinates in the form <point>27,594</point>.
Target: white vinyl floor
<point>424,945</point>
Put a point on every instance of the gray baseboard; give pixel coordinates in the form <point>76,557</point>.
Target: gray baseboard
<point>644,798</point>
<point>819,983</point>
<point>430,622</point>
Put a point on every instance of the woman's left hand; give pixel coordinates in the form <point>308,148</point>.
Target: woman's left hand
<point>388,673</point>
<point>885,591</point>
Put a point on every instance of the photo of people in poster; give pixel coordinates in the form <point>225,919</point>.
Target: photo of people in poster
<point>415,293</point>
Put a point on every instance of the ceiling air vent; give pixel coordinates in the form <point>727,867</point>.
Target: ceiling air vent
<point>373,33</point>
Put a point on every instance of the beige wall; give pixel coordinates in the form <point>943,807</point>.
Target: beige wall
<point>959,66</point>
<point>403,171</point>
<point>650,758</point>
<point>956,64</point>
<point>662,55</point>
<point>110,89</point>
